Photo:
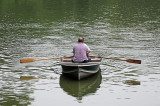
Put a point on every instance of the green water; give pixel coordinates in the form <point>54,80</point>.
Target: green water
<point>49,28</point>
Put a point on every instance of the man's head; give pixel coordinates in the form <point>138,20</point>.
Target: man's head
<point>80,39</point>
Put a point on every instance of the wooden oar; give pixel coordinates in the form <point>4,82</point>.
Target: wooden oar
<point>33,60</point>
<point>127,60</point>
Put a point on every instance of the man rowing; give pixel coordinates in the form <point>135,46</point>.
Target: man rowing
<point>81,52</point>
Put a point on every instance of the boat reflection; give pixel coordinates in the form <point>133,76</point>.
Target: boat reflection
<point>81,88</point>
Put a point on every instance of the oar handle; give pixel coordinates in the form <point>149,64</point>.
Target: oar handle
<point>47,58</point>
<point>53,58</point>
<point>33,60</point>
<point>114,58</point>
<point>127,60</point>
<point>107,58</point>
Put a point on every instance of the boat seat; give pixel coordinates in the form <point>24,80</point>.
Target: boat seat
<point>68,60</point>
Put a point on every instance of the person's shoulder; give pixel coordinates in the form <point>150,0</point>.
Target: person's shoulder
<point>87,46</point>
<point>75,45</point>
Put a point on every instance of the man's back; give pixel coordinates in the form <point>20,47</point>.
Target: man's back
<point>80,51</point>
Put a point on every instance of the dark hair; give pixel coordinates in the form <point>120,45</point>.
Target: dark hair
<point>81,39</point>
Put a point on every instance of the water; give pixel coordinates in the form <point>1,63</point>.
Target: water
<point>49,28</point>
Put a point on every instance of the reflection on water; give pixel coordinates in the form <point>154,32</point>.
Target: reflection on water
<point>132,82</point>
<point>27,77</point>
<point>81,88</point>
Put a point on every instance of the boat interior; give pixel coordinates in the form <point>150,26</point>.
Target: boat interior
<point>92,59</point>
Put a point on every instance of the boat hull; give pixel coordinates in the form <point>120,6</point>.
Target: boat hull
<point>80,70</point>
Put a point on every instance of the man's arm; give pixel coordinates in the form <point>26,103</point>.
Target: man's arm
<point>88,53</point>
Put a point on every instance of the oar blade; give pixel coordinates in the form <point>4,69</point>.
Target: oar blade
<point>26,60</point>
<point>134,61</point>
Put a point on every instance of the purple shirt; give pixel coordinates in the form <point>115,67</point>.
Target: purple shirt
<point>80,51</point>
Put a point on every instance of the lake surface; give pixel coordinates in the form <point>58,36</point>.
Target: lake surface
<point>125,29</point>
